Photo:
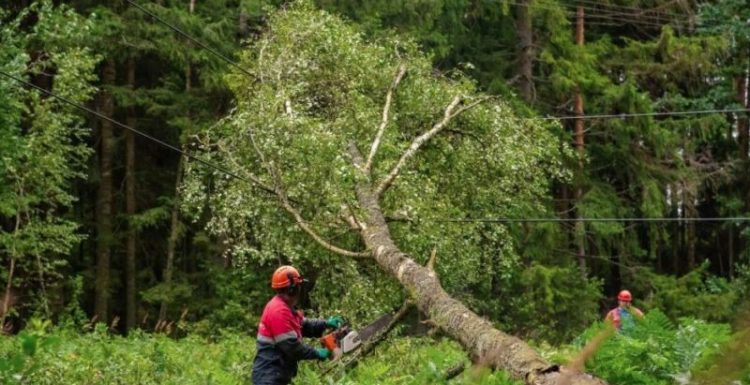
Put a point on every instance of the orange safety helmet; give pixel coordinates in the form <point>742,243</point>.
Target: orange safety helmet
<point>624,296</point>
<point>284,277</point>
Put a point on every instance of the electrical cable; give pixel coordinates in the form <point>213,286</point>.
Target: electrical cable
<point>566,117</point>
<point>640,13</point>
<point>569,10</point>
<point>466,220</point>
<point>624,8</point>
<point>639,114</point>
<point>138,132</point>
<point>547,220</point>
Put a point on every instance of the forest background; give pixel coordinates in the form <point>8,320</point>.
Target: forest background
<point>99,225</point>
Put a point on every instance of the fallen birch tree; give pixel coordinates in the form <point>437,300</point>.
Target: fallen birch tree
<point>336,135</point>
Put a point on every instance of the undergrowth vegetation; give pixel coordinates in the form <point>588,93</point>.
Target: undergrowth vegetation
<point>657,352</point>
<point>57,357</point>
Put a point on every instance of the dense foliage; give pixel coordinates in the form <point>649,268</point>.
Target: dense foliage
<point>43,150</point>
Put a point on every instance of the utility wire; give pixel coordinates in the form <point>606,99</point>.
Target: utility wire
<point>603,116</point>
<point>569,10</point>
<point>566,117</point>
<point>627,9</point>
<point>141,133</point>
<point>466,220</point>
<point>640,13</point>
<point>194,40</point>
<point>639,114</point>
<point>548,220</point>
<point>621,20</point>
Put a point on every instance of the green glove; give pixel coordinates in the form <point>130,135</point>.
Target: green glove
<point>323,353</point>
<point>334,322</point>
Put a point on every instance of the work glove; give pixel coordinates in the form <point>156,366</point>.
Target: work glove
<point>334,322</point>
<point>323,353</point>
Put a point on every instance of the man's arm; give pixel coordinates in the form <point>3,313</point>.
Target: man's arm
<point>313,328</point>
<point>297,351</point>
<point>610,318</point>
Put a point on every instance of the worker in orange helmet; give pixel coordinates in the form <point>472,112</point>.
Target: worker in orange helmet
<point>280,332</point>
<point>624,315</point>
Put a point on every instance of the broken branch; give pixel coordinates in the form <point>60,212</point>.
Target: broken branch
<point>431,262</point>
<point>286,204</point>
<point>384,121</point>
<point>454,371</point>
<point>306,228</point>
<point>448,115</point>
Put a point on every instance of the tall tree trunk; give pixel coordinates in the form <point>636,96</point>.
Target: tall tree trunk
<point>477,335</point>
<point>174,235</point>
<point>580,230</point>
<point>130,208</point>
<point>104,196</point>
<point>677,244</point>
<point>743,133</point>
<point>690,212</point>
<point>175,224</point>
<point>243,25</point>
<point>730,251</point>
<point>11,268</point>
<point>526,50</point>
<point>8,287</point>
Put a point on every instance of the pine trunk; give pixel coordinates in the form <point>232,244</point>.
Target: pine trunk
<point>743,128</point>
<point>175,224</point>
<point>174,235</point>
<point>104,196</point>
<point>687,198</point>
<point>526,50</point>
<point>8,288</point>
<point>130,208</point>
<point>580,230</point>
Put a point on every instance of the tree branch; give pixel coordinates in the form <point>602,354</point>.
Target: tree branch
<point>286,204</point>
<point>306,228</point>
<point>448,115</point>
<point>252,178</point>
<point>384,121</point>
<point>416,144</point>
<point>433,257</point>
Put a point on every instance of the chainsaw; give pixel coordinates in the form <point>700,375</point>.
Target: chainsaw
<point>343,340</point>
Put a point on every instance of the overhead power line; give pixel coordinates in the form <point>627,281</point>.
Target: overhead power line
<point>548,220</point>
<point>619,17</point>
<point>446,220</point>
<point>138,132</point>
<point>567,117</point>
<point>638,14</point>
<point>641,114</point>
<point>194,40</point>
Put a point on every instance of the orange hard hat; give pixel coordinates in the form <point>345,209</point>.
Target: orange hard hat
<point>625,296</point>
<point>285,276</point>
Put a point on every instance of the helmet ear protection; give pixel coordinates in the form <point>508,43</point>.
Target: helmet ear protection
<point>295,284</point>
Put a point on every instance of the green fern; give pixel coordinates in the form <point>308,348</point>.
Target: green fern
<point>656,351</point>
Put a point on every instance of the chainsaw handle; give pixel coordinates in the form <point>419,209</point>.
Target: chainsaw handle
<point>329,342</point>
